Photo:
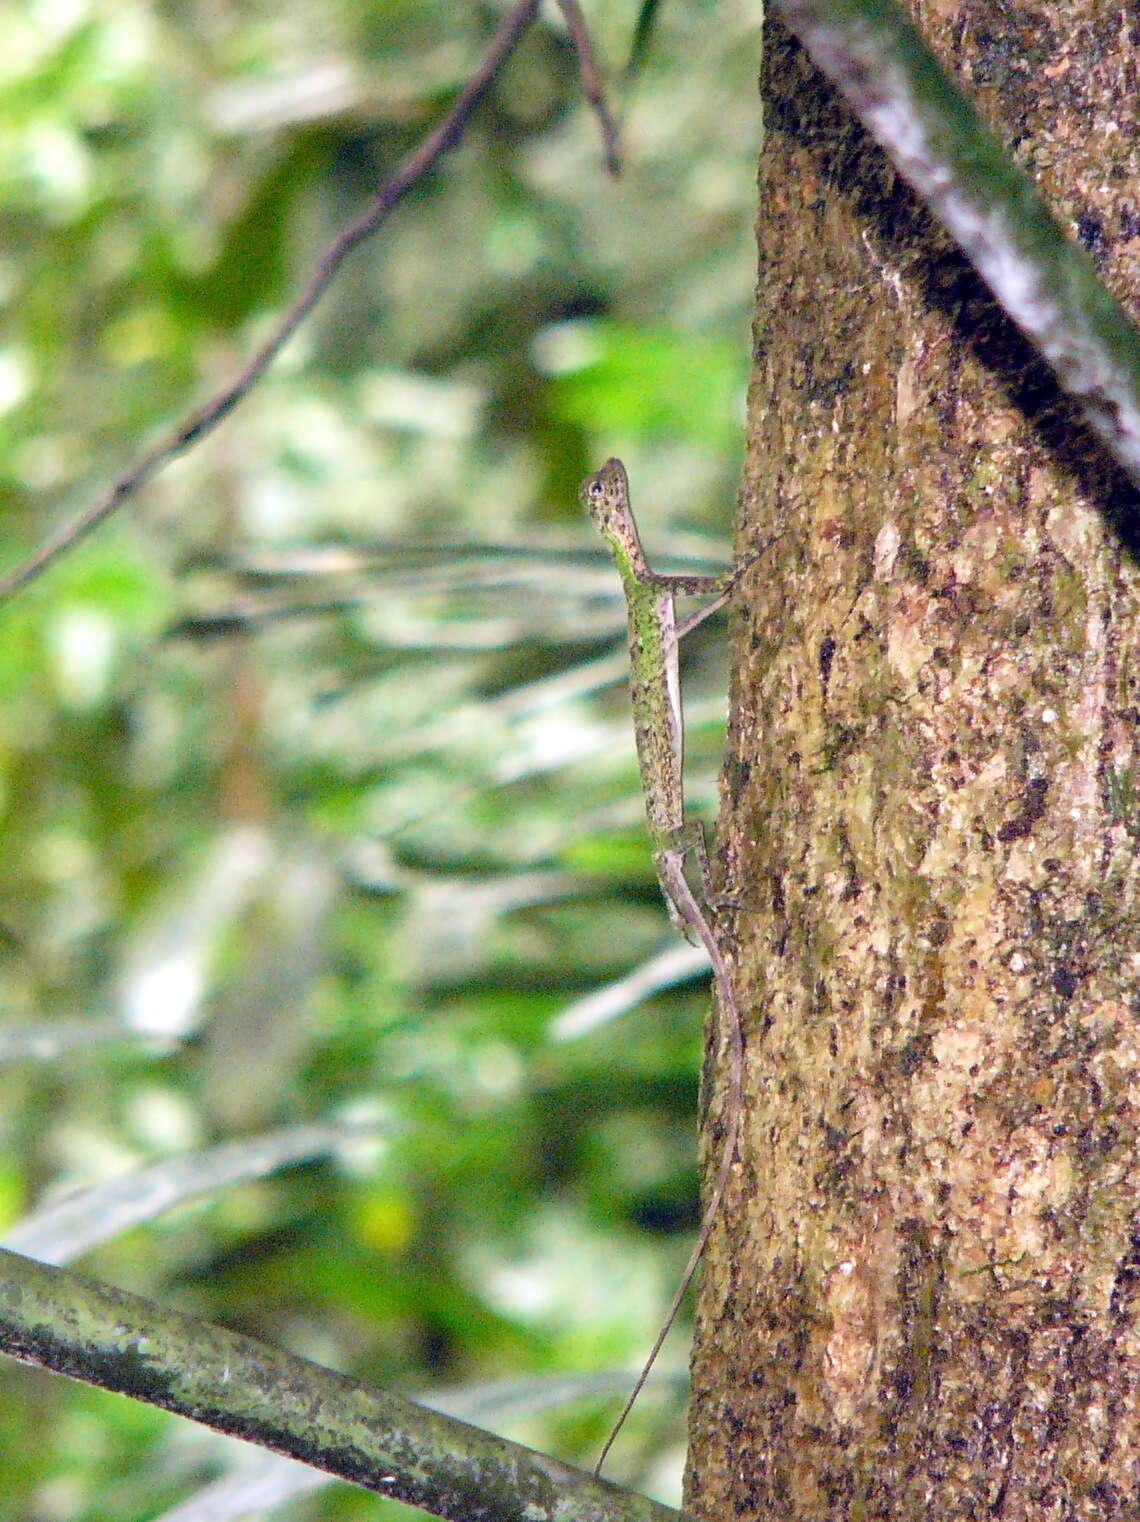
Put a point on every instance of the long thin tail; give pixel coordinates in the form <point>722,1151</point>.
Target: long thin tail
<point>728,1156</point>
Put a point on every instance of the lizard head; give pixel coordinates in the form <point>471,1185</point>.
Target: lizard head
<point>605,496</point>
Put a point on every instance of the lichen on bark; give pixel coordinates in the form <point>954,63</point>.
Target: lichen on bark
<point>930,1283</point>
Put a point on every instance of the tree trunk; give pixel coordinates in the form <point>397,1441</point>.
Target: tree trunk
<point>925,1299</point>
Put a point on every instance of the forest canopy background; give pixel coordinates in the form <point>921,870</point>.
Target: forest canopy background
<point>318,783</point>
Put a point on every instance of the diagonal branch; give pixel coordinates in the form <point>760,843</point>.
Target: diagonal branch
<point>207,417</point>
<point>61,1321</point>
<point>591,82</point>
<point>939,145</point>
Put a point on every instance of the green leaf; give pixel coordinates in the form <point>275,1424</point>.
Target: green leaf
<point>656,382</point>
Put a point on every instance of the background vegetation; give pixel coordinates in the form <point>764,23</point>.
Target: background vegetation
<point>322,839</point>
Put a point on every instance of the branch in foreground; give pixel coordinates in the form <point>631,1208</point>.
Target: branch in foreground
<point>207,417</point>
<point>103,1336</point>
<point>940,146</point>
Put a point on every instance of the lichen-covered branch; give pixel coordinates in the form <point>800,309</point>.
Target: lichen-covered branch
<point>941,147</point>
<point>103,1336</point>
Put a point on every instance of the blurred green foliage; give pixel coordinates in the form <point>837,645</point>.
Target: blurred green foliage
<point>318,784</point>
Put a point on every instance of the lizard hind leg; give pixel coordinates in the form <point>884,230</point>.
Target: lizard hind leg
<point>689,904</point>
<point>680,900</point>
<point>717,905</point>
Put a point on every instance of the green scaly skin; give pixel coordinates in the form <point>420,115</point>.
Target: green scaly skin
<point>654,685</point>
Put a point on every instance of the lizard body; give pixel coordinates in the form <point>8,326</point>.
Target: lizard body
<point>654,635</point>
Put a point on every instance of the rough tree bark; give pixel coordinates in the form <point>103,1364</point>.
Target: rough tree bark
<point>925,1299</point>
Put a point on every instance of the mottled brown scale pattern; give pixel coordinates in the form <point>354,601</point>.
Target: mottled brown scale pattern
<point>655,691</point>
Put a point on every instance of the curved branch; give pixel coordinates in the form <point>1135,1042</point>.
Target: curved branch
<point>58,1320</point>
<point>941,147</point>
<point>591,83</point>
<point>207,417</point>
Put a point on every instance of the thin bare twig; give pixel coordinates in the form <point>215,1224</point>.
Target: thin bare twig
<point>591,83</point>
<point>207,417</point>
